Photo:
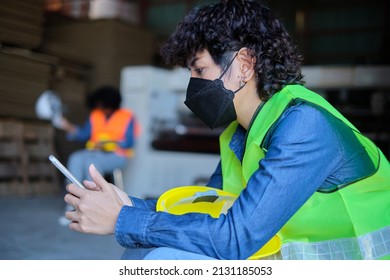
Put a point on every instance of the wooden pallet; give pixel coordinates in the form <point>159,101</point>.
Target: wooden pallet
<point>24,166</point>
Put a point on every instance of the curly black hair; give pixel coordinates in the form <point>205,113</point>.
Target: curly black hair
<point>107,97</point>
<point>227,27</point>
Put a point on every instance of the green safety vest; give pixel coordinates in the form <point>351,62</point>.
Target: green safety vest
<point>352,222</point>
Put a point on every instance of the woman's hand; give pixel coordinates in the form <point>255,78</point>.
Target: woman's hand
<point>97,207</point>
<point>122,195</point>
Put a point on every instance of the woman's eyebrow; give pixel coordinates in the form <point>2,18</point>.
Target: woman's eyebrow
<point>192,61</point>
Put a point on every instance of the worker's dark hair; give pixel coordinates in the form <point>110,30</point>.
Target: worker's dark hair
<point>229,26</point>
<point>107,97</point>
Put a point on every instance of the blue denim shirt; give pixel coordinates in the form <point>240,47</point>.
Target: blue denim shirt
<point>307,150</point>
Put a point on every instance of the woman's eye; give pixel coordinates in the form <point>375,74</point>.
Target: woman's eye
<point>199,71</point>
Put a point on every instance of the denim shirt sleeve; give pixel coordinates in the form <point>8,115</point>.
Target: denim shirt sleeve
<point>303,149</point>
<point>144,204</point>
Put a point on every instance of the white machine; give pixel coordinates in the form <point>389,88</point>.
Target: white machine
<point>156,96</point>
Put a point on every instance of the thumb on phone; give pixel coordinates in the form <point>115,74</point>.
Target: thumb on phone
<point>105,186</point>
<point>98,178</point>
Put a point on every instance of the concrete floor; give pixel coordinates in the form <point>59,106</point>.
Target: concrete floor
<point>29,230</point>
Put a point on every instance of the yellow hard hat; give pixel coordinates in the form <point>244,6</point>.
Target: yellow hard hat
<point>206,200</point>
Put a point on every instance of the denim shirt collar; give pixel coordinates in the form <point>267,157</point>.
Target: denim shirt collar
<point>238,142</point>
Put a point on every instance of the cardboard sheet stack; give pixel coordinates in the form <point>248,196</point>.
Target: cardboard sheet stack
<point>23,74</point>
<point>23,77</point>
<point>108,45</point>
<point>21,22</point>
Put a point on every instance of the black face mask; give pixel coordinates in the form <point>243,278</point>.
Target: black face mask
<point>211,101</point>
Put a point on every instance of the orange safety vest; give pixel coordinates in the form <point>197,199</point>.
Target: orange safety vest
<point>111,131</point>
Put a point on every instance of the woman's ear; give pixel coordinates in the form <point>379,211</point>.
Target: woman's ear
<point>247,64</point>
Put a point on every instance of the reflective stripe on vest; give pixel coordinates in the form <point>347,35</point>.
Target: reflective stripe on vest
<point>370,246</point>
<point>357,211</point>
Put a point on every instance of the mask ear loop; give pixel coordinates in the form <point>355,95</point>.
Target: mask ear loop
<point>234,92</point>
<point>228,66</point>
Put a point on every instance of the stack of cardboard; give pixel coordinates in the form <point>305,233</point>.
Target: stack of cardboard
<point>21,22</point>
<point>108,45</point>
<point>23,77</point>
<point>26,71</point>
<point>25,74</point>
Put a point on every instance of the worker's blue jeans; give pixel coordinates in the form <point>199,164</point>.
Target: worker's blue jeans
<point>105,163</point>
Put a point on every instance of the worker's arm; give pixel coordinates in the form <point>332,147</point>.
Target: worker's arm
<point>80,133</point>
<point>128,142</point>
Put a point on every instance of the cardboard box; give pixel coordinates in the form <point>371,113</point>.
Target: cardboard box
<point>22,79</point>
<point>21,23</point>
<point>108,45</point>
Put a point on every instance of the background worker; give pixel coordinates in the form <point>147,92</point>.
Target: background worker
<point>109,133</point>
<point>299,168</point>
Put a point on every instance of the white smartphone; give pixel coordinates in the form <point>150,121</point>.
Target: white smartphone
<point>65,171</point>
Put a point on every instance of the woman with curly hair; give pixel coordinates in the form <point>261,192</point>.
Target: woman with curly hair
<point>301,171</point>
